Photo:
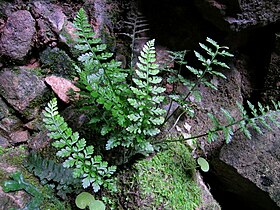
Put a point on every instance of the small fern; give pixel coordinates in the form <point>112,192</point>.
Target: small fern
<point>260,116</point>
<point>87,166</point>
<point>146,115</point>
<point>54,175</point>
<point>111,101</point>
<point>202,75</point>
<point>137,25</point>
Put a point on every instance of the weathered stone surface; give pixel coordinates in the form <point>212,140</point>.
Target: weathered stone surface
<point>239,15</point>
<point>8,123</point>
<point>61,87</point>
<point>12,161</point>
<point>256,161</point>
<point>272,80</point>
<point>4,142</point>
<point>51,13</point>
<point>21,88</point>
<point>58,61</point>
<point>13,200</point>
<point>17,35</point>
<point>39,141</point>
<point>19,136</point>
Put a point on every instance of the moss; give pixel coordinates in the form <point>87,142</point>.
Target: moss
<point>14,157</point>
<point>167,180</point>
<point>58,61</point>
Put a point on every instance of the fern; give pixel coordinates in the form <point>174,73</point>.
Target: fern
<point>146,115</point>
<point>103,85</point>
<point>54,175</point>
<point>260,119</point>
<point>87,166</point>
<point>113,103</point>
<point>137,25</point>
<point>202,75</point>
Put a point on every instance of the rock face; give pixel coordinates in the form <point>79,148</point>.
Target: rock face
<point>20,89</point>
<point>17,36</point>
<point>272,80</point>
<point>50,19</point>
<point>238,15</point>
<point>250,169</point>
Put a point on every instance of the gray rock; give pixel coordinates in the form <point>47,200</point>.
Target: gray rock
<point>19,136</point>
<point>8,122</point>
<point>17,36</point>
<point>58,61</point>
<point>21,89</point>
<point>239,15</point>
<point>256,161</point>
<point>4,143</point>
<point>52,14</point>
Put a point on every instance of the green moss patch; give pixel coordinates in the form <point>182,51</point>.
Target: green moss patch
<point>167,180</point>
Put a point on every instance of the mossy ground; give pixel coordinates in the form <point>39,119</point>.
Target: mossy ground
<point>164,181</point>
<point>167,180</point>
<point>14,158</point>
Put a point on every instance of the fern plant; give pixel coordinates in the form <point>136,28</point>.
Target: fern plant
<point>137,25</point>
<point>54,175</point>
<point>261,115</point>
<point>90,168</point>
<point>209,65</point>
<point>110,99</point>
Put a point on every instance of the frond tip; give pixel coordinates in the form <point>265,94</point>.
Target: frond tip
<point>262,118</point>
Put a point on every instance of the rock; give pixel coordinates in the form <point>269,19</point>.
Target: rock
<point>39,141</point>
<point>12,161</point>
<point>13,200</point>
<point>4,143</point>
<point>61,87</point>
<point>58,61</point>
<point>68,33</point>
<point>272,80</point>
<point>8,122</point>
<point>21,89</point>
<point>19,136</point>
<point>251,168</point>
<point>240,15</point>
<point>51,13</point>
<point>17,36</point>
<point>50,20</point>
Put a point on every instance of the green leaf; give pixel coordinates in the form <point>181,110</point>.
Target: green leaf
<point>204,165</point>
<point>157,121</point>
<point>83,200</point>
<point>228,133</point>
<point>69,163</point>
<point>86,182</point>
<point>97,205</point>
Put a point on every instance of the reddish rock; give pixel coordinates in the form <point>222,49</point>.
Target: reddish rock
<point>61,87</point>
<point>17,36</point>
<point>19,136</point>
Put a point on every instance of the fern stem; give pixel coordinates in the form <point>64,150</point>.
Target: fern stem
<point>174,90</point>
<point>196,83</point>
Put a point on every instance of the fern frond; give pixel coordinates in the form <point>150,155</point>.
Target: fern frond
<point>145,120</point>
<point>259,121</point>
<point>91,169</point>
<point>54,175</point>
<point>137,25</point>
<point>208,63</point>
